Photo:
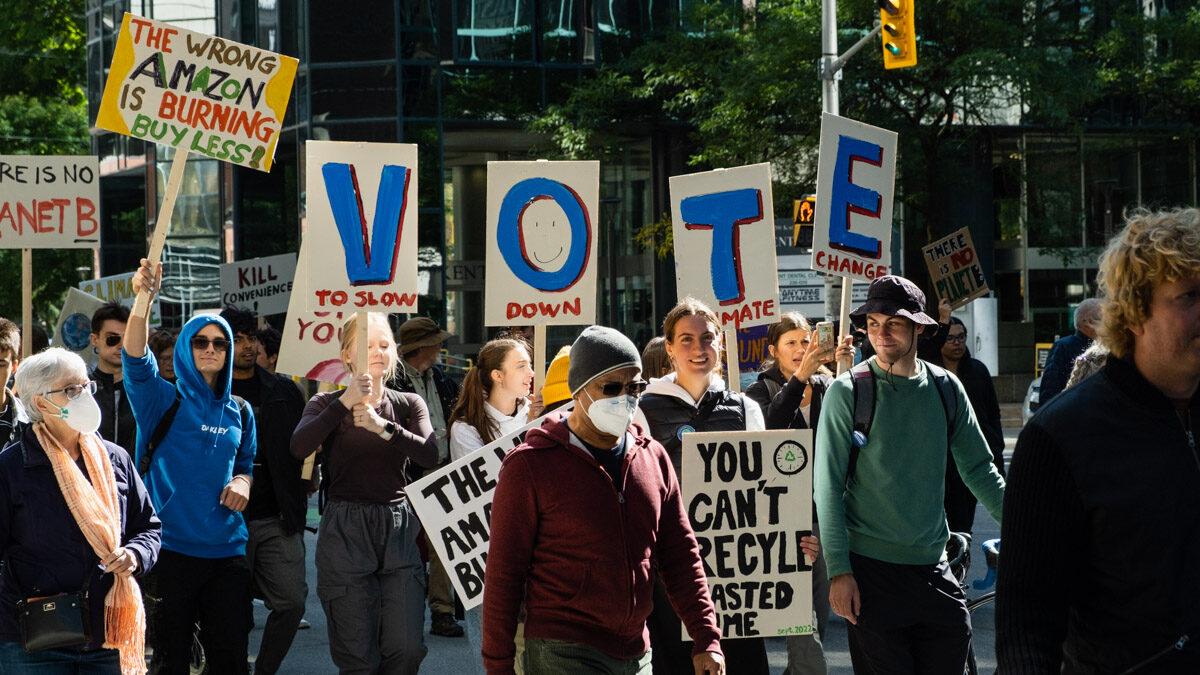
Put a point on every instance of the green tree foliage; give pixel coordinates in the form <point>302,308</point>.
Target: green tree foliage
<point>42,112</point>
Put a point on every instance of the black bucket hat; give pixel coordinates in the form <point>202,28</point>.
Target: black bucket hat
<point>894,296</point>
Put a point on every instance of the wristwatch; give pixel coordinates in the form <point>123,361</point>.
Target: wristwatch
<point>389,430</point>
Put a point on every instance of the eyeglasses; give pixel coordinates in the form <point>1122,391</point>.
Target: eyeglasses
<point>75,390</point>
<point>201,343</point>
<point>956,339</point>
<point>113,340</point>
<point>634,388</point>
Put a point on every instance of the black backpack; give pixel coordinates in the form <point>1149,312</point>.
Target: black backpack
<point>164,425</point>
<point>863,379</point>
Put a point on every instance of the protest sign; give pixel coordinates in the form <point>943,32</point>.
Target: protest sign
<point>119,288</point>
<point>74,327</point>
<point>954,268</point>
<point>49,202</point>
<point>748,495</point>
<point>311,342</point>
<point>542,243</point>
<point>725,243</point>
<point>852,228</point>
<point>454,505</point>
<point>196,92</point>
<point>347,266</point>
<point>263,285</point>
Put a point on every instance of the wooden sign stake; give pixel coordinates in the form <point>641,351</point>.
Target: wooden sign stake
<point>845,364</point>
<point>26,302</point>
<point>141,306</point>
<point>539,357</point>
<point>360,339</point>
<point>732,359</point>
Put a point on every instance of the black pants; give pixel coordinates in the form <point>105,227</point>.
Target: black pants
<point>215,591</point>
<point>913,619</point>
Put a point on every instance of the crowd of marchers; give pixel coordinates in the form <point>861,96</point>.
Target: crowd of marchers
<point>153,498</point>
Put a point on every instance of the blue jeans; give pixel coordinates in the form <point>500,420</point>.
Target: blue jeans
<point>551,657</point>
<point>14,660</point>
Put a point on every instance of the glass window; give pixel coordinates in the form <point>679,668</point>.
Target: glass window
<point>1110,184</point>
<point>494,30</point>
<point>490,93</point>
<point>347,93</point>
<point>1165,174</point>
<point>1052,181</point>
<point>560,26</point>
<point>362,31</point>
<point>419,88</point>
<point>366,132</point>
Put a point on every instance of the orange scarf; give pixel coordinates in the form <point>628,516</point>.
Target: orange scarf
<point>95,506</point>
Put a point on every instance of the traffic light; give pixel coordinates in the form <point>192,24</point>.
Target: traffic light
<point>804,212</point>
<point>899,33</point>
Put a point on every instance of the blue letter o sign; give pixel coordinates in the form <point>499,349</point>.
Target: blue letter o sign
<point>510,237</point>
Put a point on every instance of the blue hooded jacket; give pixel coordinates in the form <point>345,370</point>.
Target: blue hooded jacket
<point>201,452</point>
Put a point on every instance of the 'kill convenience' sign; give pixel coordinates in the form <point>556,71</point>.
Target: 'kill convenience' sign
<point>197,92</point>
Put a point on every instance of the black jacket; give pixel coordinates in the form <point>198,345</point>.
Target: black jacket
<point>116,416</point>
<point>278,489</point>
<point>783,410</point>
<point>718,410</point>
<point>1059,363</point>
<point>447,388</point>
<point>44,546</point>
<point>1101,533</point>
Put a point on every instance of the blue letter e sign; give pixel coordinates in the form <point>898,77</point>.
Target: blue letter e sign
<point>374,264</point>
<point>849,198</point>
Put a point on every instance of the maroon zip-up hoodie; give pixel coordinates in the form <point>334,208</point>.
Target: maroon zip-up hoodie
<point>582,552</point>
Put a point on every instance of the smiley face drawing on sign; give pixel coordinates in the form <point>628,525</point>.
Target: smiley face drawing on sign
<point>544,234</point>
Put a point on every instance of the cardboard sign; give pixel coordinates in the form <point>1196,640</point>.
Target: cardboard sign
<point>312,341</point>
<point>954,268</point>
<point>455,508</point>
<point>748,495</point>
<point>361,239</point>
<point>852,229</point>
<point>49,202</point>
<point>263,285</point>
<point>119,287</point>
<point>725,243</point>
<point>74,327</point>
<point>196,92</point>
<point>542,242</point>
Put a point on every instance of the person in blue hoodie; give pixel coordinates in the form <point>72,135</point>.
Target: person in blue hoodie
<point>199,479</point>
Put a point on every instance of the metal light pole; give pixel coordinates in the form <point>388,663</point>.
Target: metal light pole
<point>613,214</point>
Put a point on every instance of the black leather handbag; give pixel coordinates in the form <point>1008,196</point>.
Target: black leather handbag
<point>54,621</point>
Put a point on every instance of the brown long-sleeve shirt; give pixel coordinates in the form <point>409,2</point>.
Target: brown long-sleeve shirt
<point>362,467</point>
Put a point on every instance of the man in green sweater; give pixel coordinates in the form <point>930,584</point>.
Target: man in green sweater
<point>883,526</point>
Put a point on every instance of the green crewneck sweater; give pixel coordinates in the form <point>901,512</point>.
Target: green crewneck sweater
<point>894,510</point>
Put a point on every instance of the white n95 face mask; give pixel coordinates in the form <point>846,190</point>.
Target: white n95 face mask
<point>81,414</point>
<point>612,415</point>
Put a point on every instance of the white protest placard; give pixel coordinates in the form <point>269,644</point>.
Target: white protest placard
<point>310,346</point>
<point>75,324</point>
<point>725,243</point>
<point>454,505</point>
<point>49,202</point>
<point>542,243</point>
<point>263,285</point>
<point>361,239</point>
<point>196,92</point>
<point>856,172</point>
<point>748,495</point>
<point>119,288</point>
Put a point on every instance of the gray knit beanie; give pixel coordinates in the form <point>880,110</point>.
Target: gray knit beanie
<point>599,350</point>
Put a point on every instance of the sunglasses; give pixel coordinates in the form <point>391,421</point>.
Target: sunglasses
<point>634,388</point>
<point>201,343</point>
<point>113,340</point>
<point>74,391</point>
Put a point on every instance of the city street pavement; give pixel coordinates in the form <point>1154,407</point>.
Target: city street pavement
<point>452,656</point>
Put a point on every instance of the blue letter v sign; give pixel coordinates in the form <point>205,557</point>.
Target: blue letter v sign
<point>374,264</point>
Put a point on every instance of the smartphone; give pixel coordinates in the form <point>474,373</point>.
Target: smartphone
<point>825,336</point>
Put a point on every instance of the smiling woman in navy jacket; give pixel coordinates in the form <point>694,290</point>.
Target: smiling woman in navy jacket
<point>199,481</point>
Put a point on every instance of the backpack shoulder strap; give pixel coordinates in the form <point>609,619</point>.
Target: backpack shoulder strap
<point>160,432</point>
<point>863,381</point>
<point>244,409</point>
<point>948,394</point>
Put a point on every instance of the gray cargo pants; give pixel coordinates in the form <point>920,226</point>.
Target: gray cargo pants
<point>372,587</point>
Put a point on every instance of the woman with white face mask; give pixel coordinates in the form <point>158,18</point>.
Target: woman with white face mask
<point>74,516</point>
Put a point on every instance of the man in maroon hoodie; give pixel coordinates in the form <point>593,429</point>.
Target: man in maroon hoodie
<point>585,512</point>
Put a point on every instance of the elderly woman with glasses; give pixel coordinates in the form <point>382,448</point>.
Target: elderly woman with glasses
<point>956,358</point>
<point>74,516</point>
